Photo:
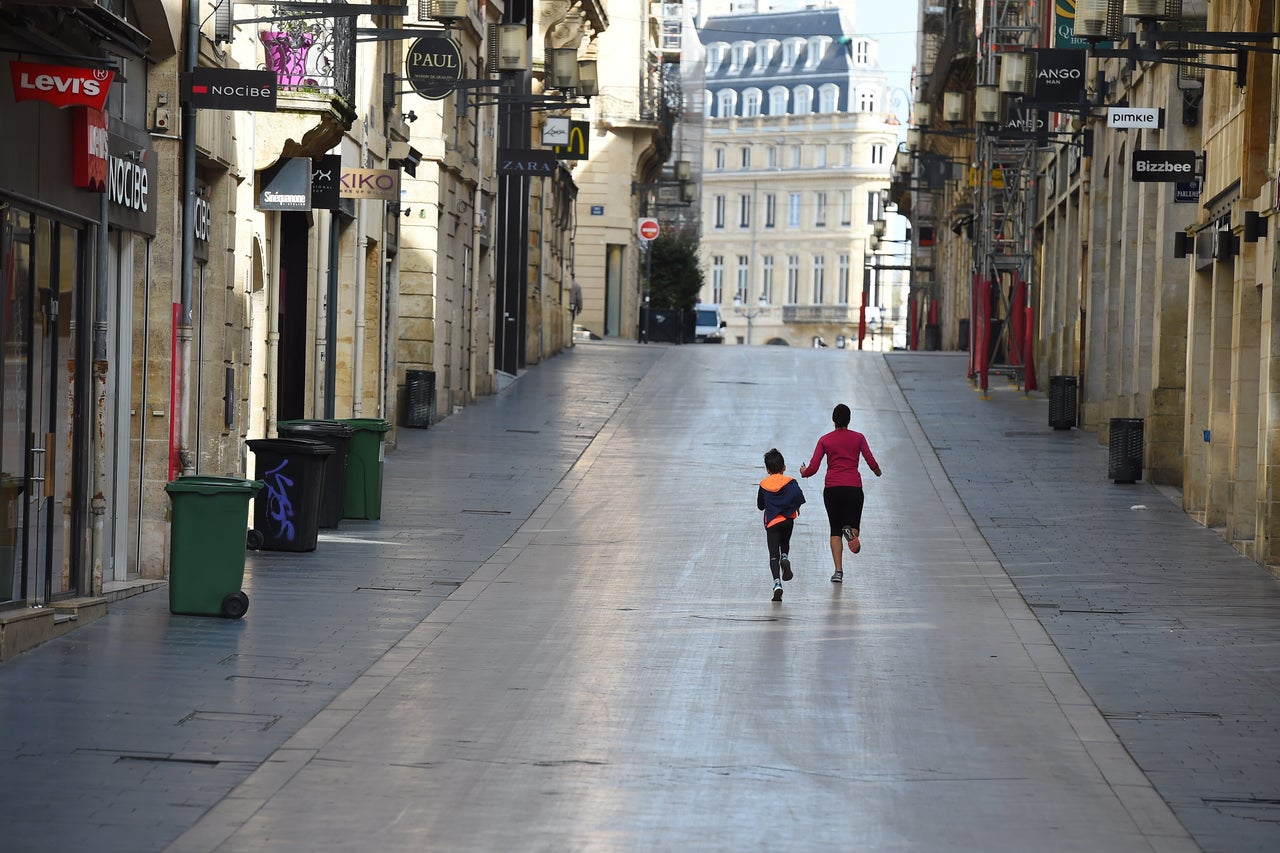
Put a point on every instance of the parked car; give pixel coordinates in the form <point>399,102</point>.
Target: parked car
<point>709,326</point>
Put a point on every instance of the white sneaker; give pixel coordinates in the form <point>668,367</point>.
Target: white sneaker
<point>777,590</point>
<point>838,577</point>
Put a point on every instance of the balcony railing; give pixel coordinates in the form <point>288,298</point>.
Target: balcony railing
<point>316,55</point>
<point>818,314</point>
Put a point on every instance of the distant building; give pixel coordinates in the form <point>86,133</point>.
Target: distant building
<point>799,138</point>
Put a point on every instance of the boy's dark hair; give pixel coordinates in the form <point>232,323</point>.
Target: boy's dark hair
<point>773,461</point>
<point>840,416</point>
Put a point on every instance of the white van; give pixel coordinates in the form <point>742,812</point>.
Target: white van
<point>709,325</point>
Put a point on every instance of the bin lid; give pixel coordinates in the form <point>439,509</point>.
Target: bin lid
<point>315,427</point>
<point>367,424</point>
<point>209,485</point>
<point>290,446</point>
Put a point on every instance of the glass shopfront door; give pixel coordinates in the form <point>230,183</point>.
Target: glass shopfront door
<point>40,262</point>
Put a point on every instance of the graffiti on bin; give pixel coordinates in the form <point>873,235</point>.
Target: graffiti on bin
<point>279,507</point>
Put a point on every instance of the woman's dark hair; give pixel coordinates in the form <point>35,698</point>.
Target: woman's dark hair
<point>840,416</point>
<point>773,461</point>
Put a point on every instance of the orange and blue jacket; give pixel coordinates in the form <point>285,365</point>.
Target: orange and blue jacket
<point>780,498</point>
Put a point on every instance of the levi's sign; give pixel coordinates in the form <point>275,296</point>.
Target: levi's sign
<point>231,89</point>
<point>1133,117</point>
<point>1164,166</point>
<point>60,85</point>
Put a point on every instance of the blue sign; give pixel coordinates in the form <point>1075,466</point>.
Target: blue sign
<point>1186,192</point>
<point>597,210</point>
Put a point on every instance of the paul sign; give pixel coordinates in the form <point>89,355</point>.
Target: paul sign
<point>433,67</point>
<point>1163,166</point>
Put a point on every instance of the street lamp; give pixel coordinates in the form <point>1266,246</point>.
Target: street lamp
<point>741,308</point>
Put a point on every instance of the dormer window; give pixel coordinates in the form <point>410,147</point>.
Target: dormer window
<point>817,49</point>
<point>862,52</point>
<point>765,52</point>
<point>791,52</point>
<point>739,57</point>
<point>715,56</point>
<point>828,98</point>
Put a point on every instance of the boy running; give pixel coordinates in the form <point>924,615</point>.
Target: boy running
<point>779,497</point>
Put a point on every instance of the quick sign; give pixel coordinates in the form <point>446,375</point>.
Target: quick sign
<point>231,89</point>
<point>60,85</point>
<point>532,161</point>
<point>433,66</point>
<point>1163,166</point>
<point>383,184</point>
<point>1134,117</point>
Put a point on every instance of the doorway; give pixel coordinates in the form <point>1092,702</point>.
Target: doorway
<point>41,260</point>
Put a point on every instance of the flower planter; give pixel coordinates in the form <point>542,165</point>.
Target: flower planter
<point>286,54</point>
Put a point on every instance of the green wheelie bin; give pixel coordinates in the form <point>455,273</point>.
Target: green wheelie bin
<point>362,496</point>
<point>207,545</point>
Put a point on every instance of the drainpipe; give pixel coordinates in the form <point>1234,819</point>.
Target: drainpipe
<point>357,357</point>
<point>98,505</point>
<point>273,326</point>
<point>181,406</point>
<point>331,317</point>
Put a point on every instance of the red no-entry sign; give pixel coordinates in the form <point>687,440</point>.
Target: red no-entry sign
<point>647,228</point>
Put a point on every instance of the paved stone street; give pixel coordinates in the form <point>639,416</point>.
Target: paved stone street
<point>560,636</point>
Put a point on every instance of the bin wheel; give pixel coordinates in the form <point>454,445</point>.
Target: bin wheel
<point>254,539</point>
<point>235,605</point>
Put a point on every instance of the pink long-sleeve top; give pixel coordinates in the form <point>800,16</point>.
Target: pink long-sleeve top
<point>842,447</point>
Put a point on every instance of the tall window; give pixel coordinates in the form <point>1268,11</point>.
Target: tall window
<point>727,100</point>
<point>862,53</point>
<point>795,156</point>
<point>751,102</point>
<point>778,101</point>
<point>803,100</point>
<point>793,211</point>
<point>746,157</point>
<point>719,211</point>
<point>715,55</point>
<point>866,101</point>
<point>766,274</point>
<point>819,279</point>
<point>744,211</point>
<point>744,283</point>
<point>873,206</point>
<point>820,156</point>
<point>842,278</point>
<point>738,57</point>
<point>846,207</point>
<point>877,154</point>
<point>793,279</point>
<point>770,210</point>
<point>773,157</point>
<point>719,159</point>
<point>820,209</point>
<point>765,51</point>
<point>717,279</point>
<point>790,52</point>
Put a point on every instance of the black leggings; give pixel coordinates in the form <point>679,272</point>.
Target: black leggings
<point>779,539</point>
<point>844,507</point>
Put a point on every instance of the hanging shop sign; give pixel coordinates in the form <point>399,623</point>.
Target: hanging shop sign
<point>433,67</point>
<point>381,184</point>
<point>90,149</point>
<point>131,175</point>
<point>60,85</point>
<point>202,224</point>
<point>1163,166</point>
<point>1186,192</point>
<point>230,89</point>
<point>286,186</point>
<point>1060,77</point>
<point>555,131</point>
<point>577,146</point>
<point>326,182</point>
<point>531,161</point>
<point>1151,119</point>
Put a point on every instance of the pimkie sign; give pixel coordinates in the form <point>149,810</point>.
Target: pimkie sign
<point>60,85</point>
<point>1163,166</point>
